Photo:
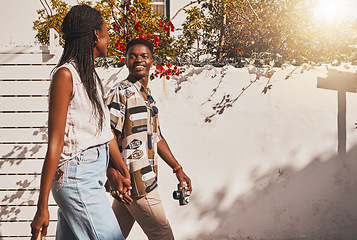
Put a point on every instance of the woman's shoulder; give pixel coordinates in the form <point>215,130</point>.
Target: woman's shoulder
<point>63,68</point>
<point>62,76</point>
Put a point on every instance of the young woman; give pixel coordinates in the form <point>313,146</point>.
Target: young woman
<point>79,137</point>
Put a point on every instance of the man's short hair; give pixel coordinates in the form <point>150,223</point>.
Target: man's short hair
<point>137,41</point>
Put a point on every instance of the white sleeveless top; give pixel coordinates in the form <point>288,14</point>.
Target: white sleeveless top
<point>82,127</point>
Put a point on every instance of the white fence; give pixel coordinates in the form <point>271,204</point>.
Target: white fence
<point>24,82</point>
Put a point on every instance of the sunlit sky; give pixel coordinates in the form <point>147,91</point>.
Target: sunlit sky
<point>333,9</point>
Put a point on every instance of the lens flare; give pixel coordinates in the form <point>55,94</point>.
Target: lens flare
<point>330,10</point>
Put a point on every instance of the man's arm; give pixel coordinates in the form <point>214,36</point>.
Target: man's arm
<point>120,183</point>
<point>165,153</point>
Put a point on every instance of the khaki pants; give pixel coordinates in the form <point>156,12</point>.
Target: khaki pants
<point>148,212</point>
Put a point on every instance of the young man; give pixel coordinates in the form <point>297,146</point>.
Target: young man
<point>134,120</point>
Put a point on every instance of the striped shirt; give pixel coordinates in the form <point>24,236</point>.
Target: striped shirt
<point>133,116</point>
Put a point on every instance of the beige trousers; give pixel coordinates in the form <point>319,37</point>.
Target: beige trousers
<point>148,212</point>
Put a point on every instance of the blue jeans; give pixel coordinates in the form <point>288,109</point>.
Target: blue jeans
<point>84,209</point>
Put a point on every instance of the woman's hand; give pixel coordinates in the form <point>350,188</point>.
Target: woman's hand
<point>120,186</point>
<point>40,223</point>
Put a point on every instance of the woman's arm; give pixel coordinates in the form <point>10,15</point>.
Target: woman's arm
<point>60,94</point>
<point>120,183</point>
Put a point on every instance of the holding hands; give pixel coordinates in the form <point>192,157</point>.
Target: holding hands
<point>120,186</point>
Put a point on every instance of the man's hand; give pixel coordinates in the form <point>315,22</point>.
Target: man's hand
<point>120,186</point>
<point>182,177</point>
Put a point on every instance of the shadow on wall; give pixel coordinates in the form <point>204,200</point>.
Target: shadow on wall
<point>342,82</point>
<point>317,202</point>
<point>13,199</point>
<point>117,76</point>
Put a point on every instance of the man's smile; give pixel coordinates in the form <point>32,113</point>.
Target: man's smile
<point>139,67</point>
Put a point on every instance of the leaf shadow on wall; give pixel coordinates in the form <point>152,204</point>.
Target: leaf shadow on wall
<point>316,202</point>
<point>24,189</point>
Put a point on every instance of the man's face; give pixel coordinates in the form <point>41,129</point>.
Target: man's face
<point>139,61</point>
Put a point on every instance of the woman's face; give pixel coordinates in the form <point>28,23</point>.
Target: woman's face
<point>101,45</point>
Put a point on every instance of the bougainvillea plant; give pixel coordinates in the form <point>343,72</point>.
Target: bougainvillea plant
<point>167,71</point>
<point>126,20</point>
<point>139,20</point>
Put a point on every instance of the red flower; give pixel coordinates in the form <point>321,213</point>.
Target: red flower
<point>156,40</point>
<point>121,47</point>
<point>239,49</point>
<point>167,30</point>
<point>142,36</point>
<point>117,43</point>
<point>161,23</point>
<point>137,26</point>
<point>122,60</point>
<point>149,35</point>
<point>115,27</point>
<point>160,69</point>
<point>175,68</point>
<point>169,65</point>
<point>169,72</point>
<point>168,77</point>
<point>171,26</point>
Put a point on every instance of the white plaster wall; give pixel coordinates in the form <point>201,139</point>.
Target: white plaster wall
<point>16,21</point>
<point>268,167</point>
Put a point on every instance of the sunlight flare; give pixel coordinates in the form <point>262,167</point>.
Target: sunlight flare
<point>330,10</point>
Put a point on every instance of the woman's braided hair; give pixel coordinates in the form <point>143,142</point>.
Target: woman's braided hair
<point>78,32</point>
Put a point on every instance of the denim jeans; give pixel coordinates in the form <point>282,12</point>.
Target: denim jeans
<point>84,210</point>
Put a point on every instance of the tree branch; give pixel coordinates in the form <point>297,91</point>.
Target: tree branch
<point>254,11</point>
<point>187,5</point>
<point>43,5</point>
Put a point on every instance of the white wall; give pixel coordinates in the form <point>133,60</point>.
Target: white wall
<point>267,167</point>
<point>16,21</point>
<point>175,6</point>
